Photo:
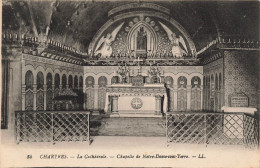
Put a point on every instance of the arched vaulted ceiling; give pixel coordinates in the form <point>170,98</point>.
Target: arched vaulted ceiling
<point>74,23</point>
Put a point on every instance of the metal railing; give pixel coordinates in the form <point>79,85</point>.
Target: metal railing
<point>52,126</point>
<point>213,128</point>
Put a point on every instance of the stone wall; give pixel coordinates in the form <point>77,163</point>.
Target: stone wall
<point>241,74</point>
<point>190,93</point>
<point>213,91</point>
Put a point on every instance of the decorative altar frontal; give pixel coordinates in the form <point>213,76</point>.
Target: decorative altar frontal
<point>149,98</point>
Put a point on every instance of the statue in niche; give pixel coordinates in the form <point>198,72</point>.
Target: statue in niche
<point>177,50</point>
<point>104,45</point>
<point>141,40</point>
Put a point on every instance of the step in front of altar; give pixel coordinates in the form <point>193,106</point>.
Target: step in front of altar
<point>128,126</point>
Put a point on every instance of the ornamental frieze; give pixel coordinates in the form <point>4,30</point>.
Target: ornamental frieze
<point>141,90</point>
<point>50,61</point>
<point>53,64</point>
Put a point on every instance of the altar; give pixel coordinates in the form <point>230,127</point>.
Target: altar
<point>146,99</point>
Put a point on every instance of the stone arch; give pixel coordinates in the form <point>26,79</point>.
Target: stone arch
<point>64,81</point>
<point>102,81</point>
<point>71,73</point>
<point>29,68</point>
<point>81,81</point>
<point>169,81</point>
<point>40,80</point>
<point>76,81</point>
<point>57,71</point>
<point>102,74</point>
<point>136,5</point>
<point>159,15</point>
<point>40,69</point>
<point>90,81</point>
<point>49,80</point>
<point>57,80</point>
<point>182,81</point>
<point>200,75</point>
<point>187,76</point>
<point>29,80</point>
<point>49,70</point>
<point>195,81</point>
<point>95,76</point>
<point>29,96</point>
<point>63,72</point>
<point>70,81</point>
<point>216,82</point>
<point>40,91</point>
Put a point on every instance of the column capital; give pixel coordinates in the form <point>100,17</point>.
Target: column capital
<point>35,88</point>
<point>23,88</point>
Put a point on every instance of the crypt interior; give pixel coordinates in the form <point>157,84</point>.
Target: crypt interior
<point>139,60</point>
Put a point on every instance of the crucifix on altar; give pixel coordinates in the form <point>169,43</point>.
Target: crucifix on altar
<point>139,70</point>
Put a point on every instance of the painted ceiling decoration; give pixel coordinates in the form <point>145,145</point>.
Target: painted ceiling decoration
<point>159,37</point>
<point>97,30</point>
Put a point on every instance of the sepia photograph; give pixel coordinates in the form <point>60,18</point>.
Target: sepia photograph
<point>117,83</point>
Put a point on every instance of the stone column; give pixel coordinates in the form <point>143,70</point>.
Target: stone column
<point>201,97</point>
<point>158,104</point>
<point>53,94</point>
<point>114,104</point>
<point>96,97</point>
<point>34,96</point>
<point>175,98</point>
<point>23,97</point>
<point>60,87</point>
<point>188,97</point>
<point>170,104</point>
<point>45,97</point>
<point>85,97</point>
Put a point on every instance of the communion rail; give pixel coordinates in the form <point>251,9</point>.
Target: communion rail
<point>52,126</point>
<point>213,128</point>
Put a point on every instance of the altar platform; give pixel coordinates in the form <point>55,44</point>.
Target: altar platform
<point>128,100</point>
